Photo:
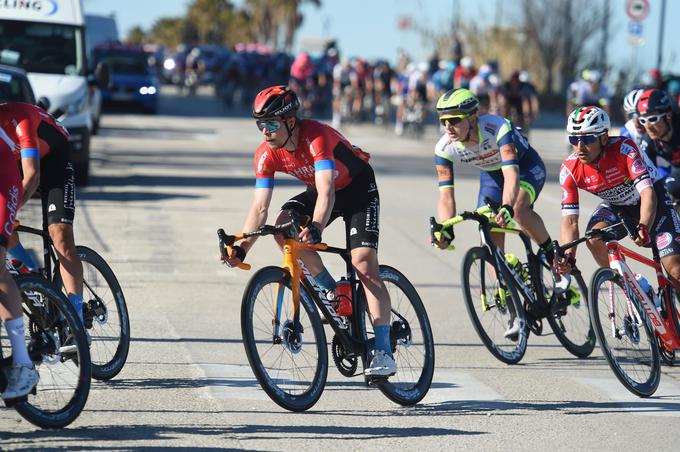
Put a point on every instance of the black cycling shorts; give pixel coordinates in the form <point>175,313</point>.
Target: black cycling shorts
<point>57,179</point>
<point>358,204</point>
<point>666,228</point>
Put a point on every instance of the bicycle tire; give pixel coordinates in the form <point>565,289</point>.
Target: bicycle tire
<point>491,324</point>
<point>102,293</point>
<point>675,311</point>
<point>257,314</point>
<point>414,354</point>
<point>639,372</point>
<point>571,322</point>
<point>64,383</point>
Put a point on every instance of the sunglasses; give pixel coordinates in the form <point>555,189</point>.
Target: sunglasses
<point>585,139</point>
<point>271,125</point>
<point>644,120</point>
<point>451,121</point>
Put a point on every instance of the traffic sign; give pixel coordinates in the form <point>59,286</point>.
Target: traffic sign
<point>635,28</point>
<point>637,9</point>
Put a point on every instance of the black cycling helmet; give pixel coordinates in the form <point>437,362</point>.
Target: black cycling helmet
<point>275,102</point>
<point>653,101</point>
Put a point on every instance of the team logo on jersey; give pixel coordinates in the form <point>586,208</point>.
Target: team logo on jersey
<point>563,175</point>
<point>626,149</point>
<point>565,195</point>
<point>638,167</point>
<point>261,163</point>
<point>662,240</point>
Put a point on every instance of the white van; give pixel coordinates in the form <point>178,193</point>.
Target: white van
<point>47,39</point>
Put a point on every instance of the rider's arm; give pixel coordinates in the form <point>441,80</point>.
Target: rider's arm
<point>31,169</point>
<point>325,188</point>
<point>569,231</point>
<point>647,207</point>
<point>257,215</point>
<point>446,207</point>
<point>509,163</point>
<point>637,170</point>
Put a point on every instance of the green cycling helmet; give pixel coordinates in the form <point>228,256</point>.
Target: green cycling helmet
<point>457,103</point>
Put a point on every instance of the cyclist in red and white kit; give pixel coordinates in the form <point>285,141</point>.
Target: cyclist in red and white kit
<point>22,375</point>
<point>40,142</point>
<point>340,183</point>
<point>615,170</point>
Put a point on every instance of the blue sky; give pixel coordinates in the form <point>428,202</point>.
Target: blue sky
<point>369,27</point>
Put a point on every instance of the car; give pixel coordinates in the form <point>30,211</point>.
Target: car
<point>132,82</point>
<point>14,85</point>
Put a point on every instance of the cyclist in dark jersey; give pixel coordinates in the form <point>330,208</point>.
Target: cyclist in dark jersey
<point>615,170</point>
<point>40,142</point>
<point>662,140</point>
<point>340,183</point>
<point>22,376</point>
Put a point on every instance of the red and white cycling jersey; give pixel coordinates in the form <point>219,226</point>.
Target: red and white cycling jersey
<point>28,126</point>
<point>618,176</point>
<point>10,189</point>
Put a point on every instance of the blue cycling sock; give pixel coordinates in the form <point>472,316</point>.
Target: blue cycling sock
<point>382,338</point>
<point>325,280</point>
<point>18,252</point>
<point>77,302</point>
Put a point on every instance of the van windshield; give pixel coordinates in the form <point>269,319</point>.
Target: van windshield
<point>42,47</point>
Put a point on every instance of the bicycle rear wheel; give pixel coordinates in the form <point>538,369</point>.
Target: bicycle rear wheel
<point>569,317</point>
<point>291,365</point>
<point>490,305</point>
<point>105,315</point>
<point>58,347</point>
<point>411,338</point>
<point>630,348</point>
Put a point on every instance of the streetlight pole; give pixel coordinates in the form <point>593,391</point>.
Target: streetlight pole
<point>662,21</point>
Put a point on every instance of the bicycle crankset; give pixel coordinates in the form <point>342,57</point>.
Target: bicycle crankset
<point>346,364</point>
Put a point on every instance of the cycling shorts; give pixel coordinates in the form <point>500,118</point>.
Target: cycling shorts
<point>531,179</point>
<point>666,228</point>
<point>358,204</point>
<point>57,184</point>
<point>10,195</point>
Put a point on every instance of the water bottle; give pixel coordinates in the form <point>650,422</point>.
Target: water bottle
<point>647,288</point>
<point>516,265</point>
<point>343,297</point>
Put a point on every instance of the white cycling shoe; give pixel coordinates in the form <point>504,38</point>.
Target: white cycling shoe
<point>382,365</point>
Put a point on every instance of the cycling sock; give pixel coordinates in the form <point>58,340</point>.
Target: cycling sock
<point>15,332</point>
<point>549,250</point>
<point>19,253</point>
<point>77,302</point>
<point>325,280</point>
<point>382,338</point>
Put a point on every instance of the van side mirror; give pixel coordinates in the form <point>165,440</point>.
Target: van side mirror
<point>43,103</point>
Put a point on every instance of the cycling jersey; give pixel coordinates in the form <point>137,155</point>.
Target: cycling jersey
<point>320,147</point>
<point>618,176</point>
<point>630,131</point>
<point>10,189</point>
<point>665,153</point>
<point>499,145</point>
<point>33,131</point>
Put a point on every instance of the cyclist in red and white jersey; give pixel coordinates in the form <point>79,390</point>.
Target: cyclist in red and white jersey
<point>340,183</point>
<point>22,375</point>
<point>615,170</point>
<point>40,142</point>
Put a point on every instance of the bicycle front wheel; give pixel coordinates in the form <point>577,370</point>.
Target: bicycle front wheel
<point>628,345</point>
<point>411,338</point>
<point>58,348</point>
<point>569,317</point>
<point>493,306</point>
<point>289,361</point>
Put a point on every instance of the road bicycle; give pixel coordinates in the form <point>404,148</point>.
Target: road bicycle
<point>286,343</point>
<point>58,347</point>
<point>105,314</point>
<point>634,333</point>
<point>493,290</point>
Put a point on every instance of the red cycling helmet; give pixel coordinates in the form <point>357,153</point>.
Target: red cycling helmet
<point>275,102</point>
<point>653,101</point>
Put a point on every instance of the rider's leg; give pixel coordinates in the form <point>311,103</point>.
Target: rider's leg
<point>70,265</point>
<point>672,266</point>
<point>597,247</point>
<point>530,221</point>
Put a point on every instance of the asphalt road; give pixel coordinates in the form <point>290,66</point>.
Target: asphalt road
<point>162,185</point>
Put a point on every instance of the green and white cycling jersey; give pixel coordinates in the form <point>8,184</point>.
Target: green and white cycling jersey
<point>499,145</point>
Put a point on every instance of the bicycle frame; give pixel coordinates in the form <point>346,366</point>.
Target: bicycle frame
<point>665,329</point>
<point>49,255</point>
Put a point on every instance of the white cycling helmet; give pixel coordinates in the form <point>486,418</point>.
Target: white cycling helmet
<point>631,100</point>
<point>588,120</point>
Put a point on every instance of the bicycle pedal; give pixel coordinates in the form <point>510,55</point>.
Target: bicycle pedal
<point>376,380</point>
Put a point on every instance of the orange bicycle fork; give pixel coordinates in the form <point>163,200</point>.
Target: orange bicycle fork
<point>291,262</point>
